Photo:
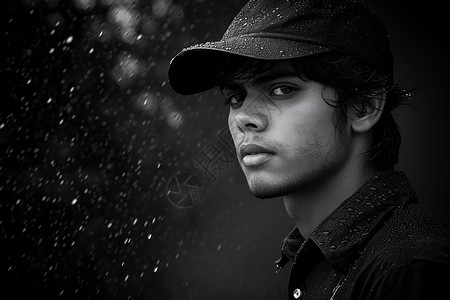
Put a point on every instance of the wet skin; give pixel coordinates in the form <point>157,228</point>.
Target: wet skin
<point>284,132</point>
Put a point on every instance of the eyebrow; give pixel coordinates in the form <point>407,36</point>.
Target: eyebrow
<point>235,84</point>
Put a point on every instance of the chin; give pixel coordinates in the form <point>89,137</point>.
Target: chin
<point>263,188</point>
<point>268,185</point>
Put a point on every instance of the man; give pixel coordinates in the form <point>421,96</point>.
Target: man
<point>310,89</point>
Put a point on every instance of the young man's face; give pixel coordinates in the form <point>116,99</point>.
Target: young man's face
<point>284,131</point>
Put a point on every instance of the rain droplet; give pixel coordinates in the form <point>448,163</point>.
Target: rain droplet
<point>325,232</point>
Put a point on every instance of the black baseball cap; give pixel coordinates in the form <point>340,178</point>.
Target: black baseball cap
<point>275,30</point>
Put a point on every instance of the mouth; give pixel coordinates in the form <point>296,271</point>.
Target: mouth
<point>254,155</point>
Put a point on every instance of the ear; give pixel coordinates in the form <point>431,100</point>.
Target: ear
<point>374,108</point>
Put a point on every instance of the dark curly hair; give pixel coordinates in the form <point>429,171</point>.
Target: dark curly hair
<point>355,82</point>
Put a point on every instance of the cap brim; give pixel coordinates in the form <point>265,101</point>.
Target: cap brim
<point>197,68</point>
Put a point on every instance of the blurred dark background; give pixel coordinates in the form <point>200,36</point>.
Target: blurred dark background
<point>92,139</point>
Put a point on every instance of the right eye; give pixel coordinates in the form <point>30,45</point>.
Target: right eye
<point>235,100</point>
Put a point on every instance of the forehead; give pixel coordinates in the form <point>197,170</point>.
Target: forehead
<point>256,72</point>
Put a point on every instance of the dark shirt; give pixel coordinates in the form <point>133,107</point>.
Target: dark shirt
<point>378,244</point>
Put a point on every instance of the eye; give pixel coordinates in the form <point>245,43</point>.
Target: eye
<point>235,100</point>
<point>282,91</point>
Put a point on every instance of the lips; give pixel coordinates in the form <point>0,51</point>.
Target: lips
<point>254,155</point>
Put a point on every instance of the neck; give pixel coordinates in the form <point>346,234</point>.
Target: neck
<point>309,206</point>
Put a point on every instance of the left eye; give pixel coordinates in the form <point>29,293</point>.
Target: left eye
<point>282,91</point>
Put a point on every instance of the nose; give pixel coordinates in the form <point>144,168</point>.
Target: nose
<point>250,118</point>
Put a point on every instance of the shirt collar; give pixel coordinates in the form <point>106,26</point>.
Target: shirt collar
<point>344,231</point>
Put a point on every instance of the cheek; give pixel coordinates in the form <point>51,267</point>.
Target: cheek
<point>230,119</point>
<point>309,133</point>
<point>232,126</point>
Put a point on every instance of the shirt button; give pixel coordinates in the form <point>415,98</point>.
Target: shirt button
<point>297,293</point>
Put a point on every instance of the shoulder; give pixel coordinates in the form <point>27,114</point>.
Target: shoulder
<point>406,257</point>
<point>411,234</point>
